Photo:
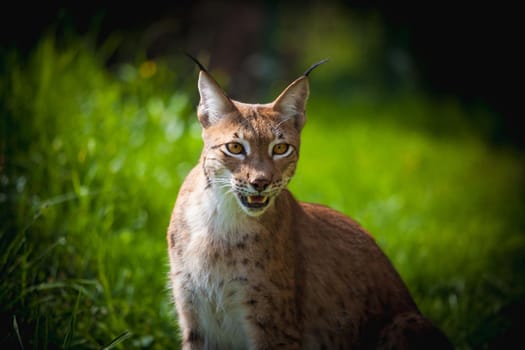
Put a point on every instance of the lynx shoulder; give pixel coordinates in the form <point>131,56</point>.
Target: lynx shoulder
<point>253,268</point>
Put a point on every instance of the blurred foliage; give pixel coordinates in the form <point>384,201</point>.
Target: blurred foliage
<point>91,163</point>
<point>92,157</point>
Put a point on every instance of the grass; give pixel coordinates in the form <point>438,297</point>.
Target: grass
<point>91,160</point>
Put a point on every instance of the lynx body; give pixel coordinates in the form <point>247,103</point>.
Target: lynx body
<point>253,268</point>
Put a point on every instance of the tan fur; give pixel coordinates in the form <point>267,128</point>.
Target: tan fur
<point>291,275</point>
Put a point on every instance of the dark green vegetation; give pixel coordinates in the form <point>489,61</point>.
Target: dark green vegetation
<point>91,159</point>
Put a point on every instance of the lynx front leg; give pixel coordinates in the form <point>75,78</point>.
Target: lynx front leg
<point>192,339</point>
<point>187,318</point>
<point>273,324</point>
<point>273,335</point>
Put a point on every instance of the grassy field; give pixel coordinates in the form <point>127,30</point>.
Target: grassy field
<point>91,160</point>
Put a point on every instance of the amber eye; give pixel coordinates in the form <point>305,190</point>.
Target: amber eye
<point>235,148</point>
<point>280,148</point>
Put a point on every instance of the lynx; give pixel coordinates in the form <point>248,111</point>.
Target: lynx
<point>253,268</point>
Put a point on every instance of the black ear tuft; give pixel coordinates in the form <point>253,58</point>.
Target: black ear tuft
<point>313,66</point>
<point>196,62</point>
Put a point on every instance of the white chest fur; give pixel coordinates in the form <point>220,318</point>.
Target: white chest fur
<point>218,295</point>
<point>217,285</point>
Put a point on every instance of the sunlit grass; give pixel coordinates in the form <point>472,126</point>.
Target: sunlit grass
<point>93,158</point>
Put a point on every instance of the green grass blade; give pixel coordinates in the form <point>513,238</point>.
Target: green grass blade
<point>117,340</point>
<point>17,331</point>
<point>72,325</point>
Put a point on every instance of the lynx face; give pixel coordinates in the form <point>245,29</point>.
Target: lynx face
<point>251,155</point>
<point>250,151</point>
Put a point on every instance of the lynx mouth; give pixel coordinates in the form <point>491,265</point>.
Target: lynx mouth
<point>254,202</point>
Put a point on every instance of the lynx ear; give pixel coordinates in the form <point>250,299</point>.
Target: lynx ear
<point>292,101</point>
<point>214,104</point>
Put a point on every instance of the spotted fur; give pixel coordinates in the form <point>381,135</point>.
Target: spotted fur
<point>253,268</point>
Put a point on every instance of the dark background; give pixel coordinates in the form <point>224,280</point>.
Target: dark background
<point>466,50</point>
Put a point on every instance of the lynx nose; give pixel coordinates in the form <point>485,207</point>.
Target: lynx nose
<point>260,184</point>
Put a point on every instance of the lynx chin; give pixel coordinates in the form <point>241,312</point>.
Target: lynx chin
<point>253,268</point>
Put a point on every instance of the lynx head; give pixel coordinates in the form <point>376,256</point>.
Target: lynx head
<point>250,150</point>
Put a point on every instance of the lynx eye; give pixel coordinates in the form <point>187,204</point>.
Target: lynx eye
<point>235,148</point>
<point>280,149</point>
